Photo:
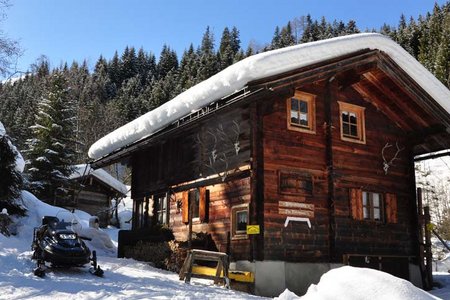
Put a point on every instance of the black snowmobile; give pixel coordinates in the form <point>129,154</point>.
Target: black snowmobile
<point>56,242</point>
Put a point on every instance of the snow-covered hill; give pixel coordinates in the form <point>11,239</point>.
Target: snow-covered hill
<point>123,279</point>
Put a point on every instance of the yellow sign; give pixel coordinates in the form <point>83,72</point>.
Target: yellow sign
<point>252,229</point>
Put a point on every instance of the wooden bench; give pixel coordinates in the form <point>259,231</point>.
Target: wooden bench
<point>222,267</point>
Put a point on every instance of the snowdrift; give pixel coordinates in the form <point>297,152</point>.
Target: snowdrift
<point>36,209</point>
<point>350,283</point>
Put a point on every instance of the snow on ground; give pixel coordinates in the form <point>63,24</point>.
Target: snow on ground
<point>351,283</point>
<point>130,279</point>
<point>123,279</point>
<point>125,210</point>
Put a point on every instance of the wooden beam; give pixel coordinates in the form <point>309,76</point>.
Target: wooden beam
<point>379,104</point>
<point>362,60</point>
<point>432,156</point>
<point>410,87</point>
<point>330,169</point>
<point>380,86</point>
<point>257,179</point>
<point>419,136</point>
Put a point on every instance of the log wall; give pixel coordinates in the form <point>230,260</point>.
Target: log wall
<point>222,197</point>
<point>334,232</point>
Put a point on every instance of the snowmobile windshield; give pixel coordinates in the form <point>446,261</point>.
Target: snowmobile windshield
<point>67,220</point>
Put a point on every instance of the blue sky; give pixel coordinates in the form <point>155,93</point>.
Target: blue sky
<point>66,30</point>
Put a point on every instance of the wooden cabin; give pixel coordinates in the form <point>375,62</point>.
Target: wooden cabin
<point>313,143</point>
<point>92,191</point>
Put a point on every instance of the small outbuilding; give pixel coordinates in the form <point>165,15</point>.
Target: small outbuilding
<point>92,191</point>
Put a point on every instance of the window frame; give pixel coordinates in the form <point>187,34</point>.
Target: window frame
<point>360,122</point>
<point>302,180</point>
<point>195,208</point>
<point>238,234</point>
<point>161,212</point>
<point>310,99</point>
<point>371,208</point>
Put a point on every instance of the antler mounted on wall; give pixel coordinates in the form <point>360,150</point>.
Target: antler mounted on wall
<point>387,164</point>
<point>217,158</point>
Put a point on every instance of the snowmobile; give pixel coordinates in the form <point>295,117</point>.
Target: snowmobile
<point>56,242</point>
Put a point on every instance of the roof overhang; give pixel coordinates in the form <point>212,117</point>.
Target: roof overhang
<point>278,68</point>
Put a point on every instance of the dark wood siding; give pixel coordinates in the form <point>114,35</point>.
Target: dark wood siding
<point>354,165</point>
<point>293,151</point>
<point>188,155</point>
<point>222,197</point>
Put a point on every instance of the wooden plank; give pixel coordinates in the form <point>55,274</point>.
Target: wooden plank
<point>405,107</point>
<point>296,212</point>
<point>288,204</point>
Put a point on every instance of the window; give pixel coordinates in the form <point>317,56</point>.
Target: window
<point>199,199</point>
<point>194,199</point>
<point>301,112</point>
<point>239,221</point>
<point>352,122</point>
<point>160,208</point>
<point>372,206</point>
<point>141,213</point>
<point>295,183</point>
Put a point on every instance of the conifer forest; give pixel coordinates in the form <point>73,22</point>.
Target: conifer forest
<point>56,113</point>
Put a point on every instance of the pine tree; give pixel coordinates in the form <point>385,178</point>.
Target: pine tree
<point>286,36</point>
<point>188,69</point>
<point>276,39</point>
<point>226,52</point>
<point>50,152</point>
<point>168,62</point>
<point>442,60</point>
<point>128,65</point>
<point>11,178</point>
<point>208,60</point>
<point>114,70</point>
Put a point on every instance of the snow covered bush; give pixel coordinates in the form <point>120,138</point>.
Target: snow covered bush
<point>10,174</point>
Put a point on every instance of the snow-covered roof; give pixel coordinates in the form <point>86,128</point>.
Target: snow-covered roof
<point>85,170</point>
<point>260,66</point>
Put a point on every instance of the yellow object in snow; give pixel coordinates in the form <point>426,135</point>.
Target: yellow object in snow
<point>240,276</point>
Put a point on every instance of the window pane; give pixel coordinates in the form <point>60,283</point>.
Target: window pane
<point>294,104</point>
<point>376,214</point>
<point>376,199</point>
<point>353,130</point>
<point>241,220</point>
<point>303,119</point>
<point>303,107</point>
<point>294,117</point>
<point>345,129</point>
<point>366,212</point>
<point>345,116</point>
<point>193,196</point>
<point>353,118</point>
<point>365,198</point>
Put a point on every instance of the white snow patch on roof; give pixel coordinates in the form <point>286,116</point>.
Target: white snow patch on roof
<point>260,66</point>
<point>85,170</point>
